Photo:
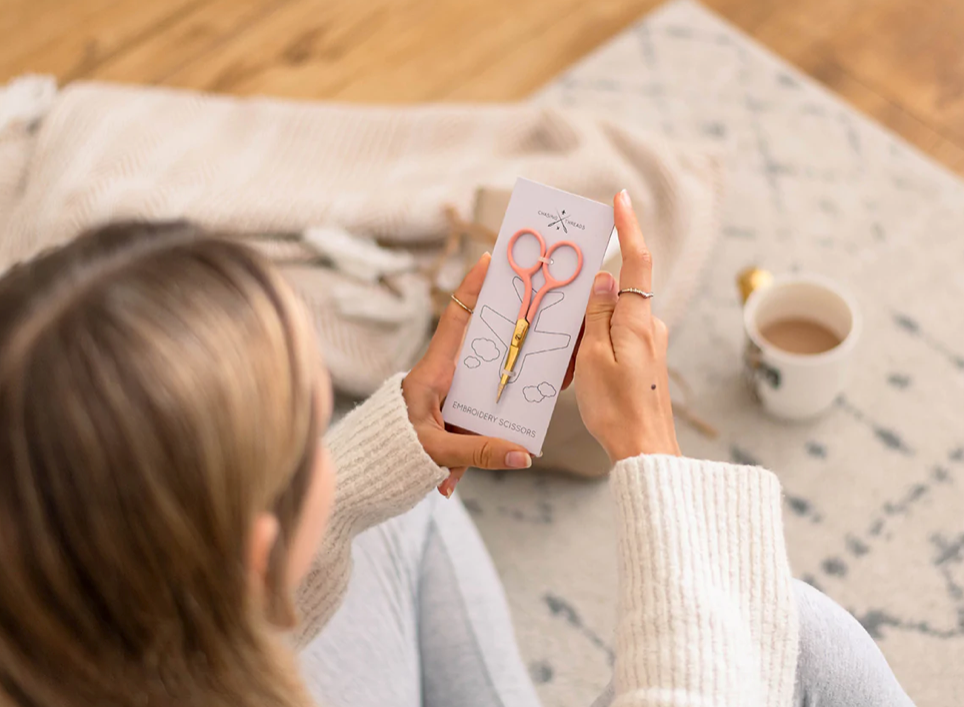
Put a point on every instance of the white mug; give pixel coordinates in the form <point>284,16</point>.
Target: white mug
<point>794,386</point>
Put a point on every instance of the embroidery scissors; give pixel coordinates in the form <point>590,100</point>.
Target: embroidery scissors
<point>530,300</point>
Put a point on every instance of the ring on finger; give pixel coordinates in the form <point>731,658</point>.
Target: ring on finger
<point>462,304</point>
<point>642,293</point>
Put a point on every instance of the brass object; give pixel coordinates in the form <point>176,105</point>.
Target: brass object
<point>461,304</point>
<point>518,339</point>
<point>751,279</point>
<point>642,293</point>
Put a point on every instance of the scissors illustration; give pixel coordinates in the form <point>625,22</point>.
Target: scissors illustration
<point>530,302</point>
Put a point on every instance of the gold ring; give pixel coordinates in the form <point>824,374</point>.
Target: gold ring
<point>462,304</point>
<point>641,293</point>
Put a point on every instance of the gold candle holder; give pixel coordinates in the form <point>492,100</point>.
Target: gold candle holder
<point>751,279</point>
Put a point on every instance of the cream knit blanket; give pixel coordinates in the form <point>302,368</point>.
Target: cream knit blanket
<point>356,194</point>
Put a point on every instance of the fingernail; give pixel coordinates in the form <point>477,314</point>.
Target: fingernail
<point>603,283</point>
<point>518,460</point>
<point>483,259</point>
<point>446,488</point>
<point>625,196</point>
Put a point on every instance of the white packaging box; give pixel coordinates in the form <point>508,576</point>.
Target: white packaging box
<point>522,414</point>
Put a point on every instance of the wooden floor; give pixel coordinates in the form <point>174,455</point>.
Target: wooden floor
<point>900,61</point>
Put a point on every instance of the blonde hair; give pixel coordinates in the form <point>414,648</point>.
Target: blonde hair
<point>156,394</point>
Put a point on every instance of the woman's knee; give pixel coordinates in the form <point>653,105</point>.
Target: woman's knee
<point>839,663</point>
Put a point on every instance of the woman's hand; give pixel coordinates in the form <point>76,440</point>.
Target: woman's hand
<point>429,381</point>
<point>622,385</point>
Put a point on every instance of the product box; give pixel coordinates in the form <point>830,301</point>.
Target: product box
<point>523,411</point>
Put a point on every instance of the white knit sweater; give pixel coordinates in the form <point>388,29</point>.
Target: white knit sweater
<point>88,153</point>
<point>706,612</point>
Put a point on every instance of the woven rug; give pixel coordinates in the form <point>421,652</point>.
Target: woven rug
<point>874,490</point>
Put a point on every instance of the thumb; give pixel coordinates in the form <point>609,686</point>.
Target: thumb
<point>599,311</point>
<point>457,450</point>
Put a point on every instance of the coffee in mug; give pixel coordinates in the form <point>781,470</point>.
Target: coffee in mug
<point>801,334</point>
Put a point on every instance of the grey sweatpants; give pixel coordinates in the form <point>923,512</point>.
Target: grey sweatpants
<point>425,623</point>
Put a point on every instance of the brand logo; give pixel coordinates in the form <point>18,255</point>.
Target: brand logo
<point>562,220</point>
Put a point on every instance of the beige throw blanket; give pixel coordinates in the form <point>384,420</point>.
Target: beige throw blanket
<point>353,199</point>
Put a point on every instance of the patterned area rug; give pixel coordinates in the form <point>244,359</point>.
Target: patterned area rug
<point>875,490</point>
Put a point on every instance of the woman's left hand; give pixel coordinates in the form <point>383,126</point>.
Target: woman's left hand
<point>427,384</point>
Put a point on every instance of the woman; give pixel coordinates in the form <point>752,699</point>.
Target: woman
<point>164,491</point>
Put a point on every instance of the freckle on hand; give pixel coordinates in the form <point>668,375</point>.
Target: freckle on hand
<point>654,386</point>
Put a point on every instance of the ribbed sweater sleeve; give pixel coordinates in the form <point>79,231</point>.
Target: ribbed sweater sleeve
<point>706,612</point>
<point>381,471</point>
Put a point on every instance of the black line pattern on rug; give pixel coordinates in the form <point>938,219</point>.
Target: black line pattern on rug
<point>900,381</point>
<point>859,544</point>
<point>949,553</point>
<point>771,167</point>
<point>885,435</point>
<point>738,455</point>
<point>684,32</point>
<point>567,612</point>
<point>541,672</point>
<point>648,50</point>
<point>912,327</point>
<point>539,511</point>
<point>948,556</point>
<point>815,450</point>
<point>542,514</point>
<point>802,507</point>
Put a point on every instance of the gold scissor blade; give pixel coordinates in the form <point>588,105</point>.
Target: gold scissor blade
<point>518,338</point>
<point>507,371</point>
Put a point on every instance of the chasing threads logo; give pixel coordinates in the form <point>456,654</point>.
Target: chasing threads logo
<point>562,220</point>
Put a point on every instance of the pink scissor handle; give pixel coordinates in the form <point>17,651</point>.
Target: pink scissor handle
<point>551,282</point>
<point>526,273</point>
<point>530,304</point>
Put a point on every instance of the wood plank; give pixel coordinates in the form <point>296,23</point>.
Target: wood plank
<point>745,14</point>
<point>26,26</point>
<point>911,52</point>
<point>16,14</point>
<point>810,20</point>
<point>306,49</point>
<point>309,51</point>
<point>885,111</point>
<point>808,35</point>
<point>502,66</point>
<point>896,60</point>
<point>89,42</point>
<point>201,30</point>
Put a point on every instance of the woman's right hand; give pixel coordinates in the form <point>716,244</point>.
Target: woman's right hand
<point>622,384</point>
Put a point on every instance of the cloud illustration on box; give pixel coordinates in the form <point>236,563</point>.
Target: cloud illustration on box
<point>472,362</point>
<point>538,393</point>
<point>486,349</point>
